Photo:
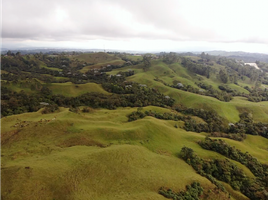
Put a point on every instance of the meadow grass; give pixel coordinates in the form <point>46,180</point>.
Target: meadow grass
<point>88,153</point>
<point>17,87</point>
<point>95,57</point>
<point>100,155</point>
<point>102,64</point>
<point>51,68</point>
<point>134,58</point>
<point>69,89</point>
<point>229,110</point>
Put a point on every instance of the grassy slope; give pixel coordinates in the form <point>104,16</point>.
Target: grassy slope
<point>224,109</point>
<point>134,58</point>
<point>18,89</point>
<point>95,57</point>
<point>70,90</point>
<point>102,64</point>
<point>51,68</point>
<point>138,158</point>
<point>80,172</point>
<point>100,155</point>
<point>67,89</point>
<point>98,59</point>
<point>119,171</point>
<point>229,110</point>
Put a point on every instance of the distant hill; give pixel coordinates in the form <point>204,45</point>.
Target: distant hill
<point>33,50</point>
<point>240,55</point>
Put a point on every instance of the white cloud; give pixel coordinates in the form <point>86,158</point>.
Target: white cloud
<point>71,21</point>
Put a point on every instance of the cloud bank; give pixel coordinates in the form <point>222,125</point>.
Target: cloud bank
<point>118,20</point>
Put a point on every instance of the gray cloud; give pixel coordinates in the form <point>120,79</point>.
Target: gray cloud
<point>68,20</point>
<point>90,19</point>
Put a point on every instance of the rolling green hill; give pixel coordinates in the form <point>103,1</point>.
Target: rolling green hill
<point>98,60</point>
<point>81,152</point>
<point>71,90</point>
<point>229,110</point>
<point>100,151</point>
<point>102,64</point>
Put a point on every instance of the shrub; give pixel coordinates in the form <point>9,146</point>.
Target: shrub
<point>50,109</point>
<point>87,110</point>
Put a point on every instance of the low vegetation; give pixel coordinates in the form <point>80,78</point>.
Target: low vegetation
<point>193,191</point>
<point>110,126</point>
<point>256,167</point>
<point>226,171</point>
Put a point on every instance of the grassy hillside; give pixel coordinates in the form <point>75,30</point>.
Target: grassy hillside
<point>99,155</point>
<point>67,89</point>
<point>51,68</point>
<point>134,57</point>
<point>87,171</point>
<point>98,60</point>
<point>71,90</point>
<point>169,73</point>
<point>103,64</point>
<point>117,172</point>
<point>224,109</point>
<point>95,57</point>
<point>17,87</point>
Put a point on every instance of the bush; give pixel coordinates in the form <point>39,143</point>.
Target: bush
<point>87,110</point>
<point>75,110</point>
<point>50,109</point>
<point>223,170</point>
<point>193,192</point>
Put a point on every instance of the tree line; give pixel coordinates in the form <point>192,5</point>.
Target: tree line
<point>226,171</point>
<point>20,102</point>
<point>213,123</point>
<point>256,167</point>
<point>193,192</point>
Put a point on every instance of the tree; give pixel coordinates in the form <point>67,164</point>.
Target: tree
<point>223,76</point>
<point>187,153</point>
<point>9,53</point>
<point>203,55</point>
<point>170,58</point>
<point>147,61</point>
<point>18,54</point>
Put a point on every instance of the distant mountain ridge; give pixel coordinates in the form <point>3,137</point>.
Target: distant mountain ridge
<point>240,55</point>
<point>32,50</point>
<point>245,56</point>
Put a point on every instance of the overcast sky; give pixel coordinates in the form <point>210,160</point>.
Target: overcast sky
<point>160,25</point>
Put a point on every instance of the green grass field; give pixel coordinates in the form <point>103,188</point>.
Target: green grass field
<point>98,60</point>
<point>95,57</point>
<point>85,170</point>
<point>71,90</point>
<point>67,89</point>
<point>51,68</point>
<point>229,110</point>
<point>102,64</point>
<point>134,57</point>
<point>17,88</point>
<point>99,155</point>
